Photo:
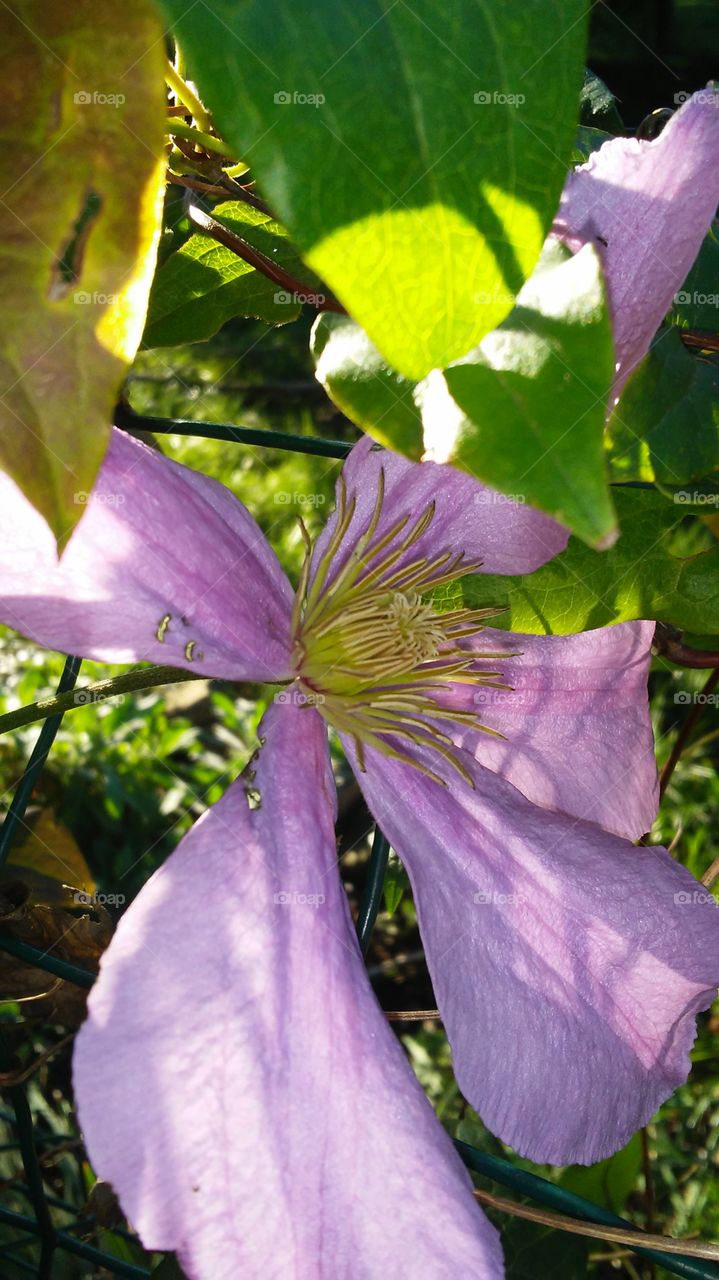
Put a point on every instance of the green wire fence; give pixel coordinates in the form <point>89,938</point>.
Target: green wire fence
<point>39,1225</point>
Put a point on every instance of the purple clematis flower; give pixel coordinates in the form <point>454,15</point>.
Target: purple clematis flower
<point>237,1082</point>
<point>646,206</point>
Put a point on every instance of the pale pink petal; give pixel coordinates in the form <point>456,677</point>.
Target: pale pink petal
<point>165,566</point>
<point>507,536</point>
<point>237,1082</point>
<point>646,207</point>
<point>578,735</point>
<point>568,965</point>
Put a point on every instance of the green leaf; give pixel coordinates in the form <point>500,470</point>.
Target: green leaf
<point>533,398</point>
<point>415,153</point>
<point>610,1182</point>
<point>666,425</point>
<point>359,382</point>
<point>81,169</point>
<point>396,883</point>
<point>532,1250</point>
<point>598,105</point>
<point>204,284</point>
<point>580,589</point>
<point>696,305</point>
<point>526,409</point>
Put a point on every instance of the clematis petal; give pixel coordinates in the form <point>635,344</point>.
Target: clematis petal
<point>237,1082</point>
<point>165,566</point>
<point>508,537</point>
<point>568,965</point>
<point>577,731</point>
<point>646,207</point>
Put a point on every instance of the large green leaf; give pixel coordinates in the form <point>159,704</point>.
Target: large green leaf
<point>526,410</point>
<point>666,425</point>
<point>204,284</point>
<point>415,152</point>
<point>533,398</point>
<point>696,304</point>
<point>582,589</point>
<point>81,169</point>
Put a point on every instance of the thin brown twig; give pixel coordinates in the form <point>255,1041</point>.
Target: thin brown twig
<point>205,221</point>
<point>21,1074</point>
<point>649,1200</point>
<point>631,1237</point>
<point>686,731</point>
<point>700,339</point>
<point>412,1015</point>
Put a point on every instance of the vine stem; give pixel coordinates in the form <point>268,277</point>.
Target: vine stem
<point>321,301</point>
<point>98,691</point>
<point>686,730</point>
<point>187,97</point>
<point>178,128</point>
<point>637,1238</point>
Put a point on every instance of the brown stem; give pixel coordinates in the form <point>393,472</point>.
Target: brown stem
<point>686,731</point>
<point>412,1015</point>
<point>321,301</point>
<point>668,644</point>
<point>700,339</point>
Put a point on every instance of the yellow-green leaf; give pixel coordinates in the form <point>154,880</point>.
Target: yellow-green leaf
<point>81,169</point>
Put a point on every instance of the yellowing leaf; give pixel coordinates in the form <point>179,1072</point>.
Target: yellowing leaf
<point>51,850</point>
<point>81,172</point>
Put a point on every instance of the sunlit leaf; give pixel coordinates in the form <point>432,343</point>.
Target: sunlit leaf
<point>416,153</point>
<point>81,165</point>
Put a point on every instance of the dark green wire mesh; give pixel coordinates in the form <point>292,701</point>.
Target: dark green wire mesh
<point>39,1223</point>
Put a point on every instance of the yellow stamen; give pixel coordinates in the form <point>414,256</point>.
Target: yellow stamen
<point>374,652</point>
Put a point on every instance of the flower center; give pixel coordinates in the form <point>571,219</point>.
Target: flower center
<point>372,653</point>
